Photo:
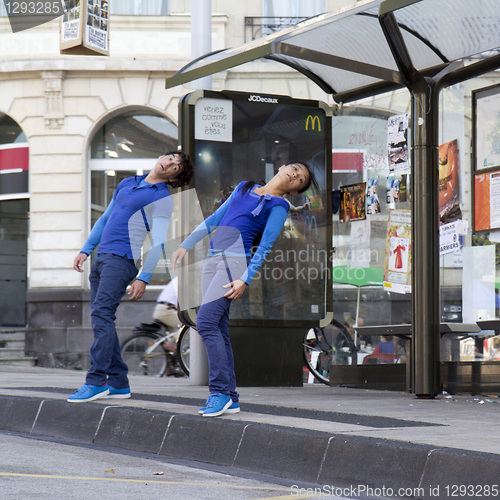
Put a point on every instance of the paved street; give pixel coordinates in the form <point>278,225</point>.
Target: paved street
<point>35,468</point>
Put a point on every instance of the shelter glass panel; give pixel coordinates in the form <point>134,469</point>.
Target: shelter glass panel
<point>371,187</point>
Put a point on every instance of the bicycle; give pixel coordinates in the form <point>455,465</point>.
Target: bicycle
<point>321,344</point>
<point>149,350</point>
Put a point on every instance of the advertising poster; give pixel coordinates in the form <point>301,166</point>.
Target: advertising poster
<point>487,201</point>
<point>352,202</point>
<point>84,27</point>
<point>449,184</point>
<point>70,26</point>
<point>397,140</point>
<point>372,201</point>
<point>213,120</point>
<point>449,239</point>
<point>96,29</point>
<point>397,262</point>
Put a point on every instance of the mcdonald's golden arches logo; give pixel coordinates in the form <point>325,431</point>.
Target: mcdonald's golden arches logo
<point>313,121</point>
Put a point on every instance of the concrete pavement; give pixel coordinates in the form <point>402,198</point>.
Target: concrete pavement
<point>317,434</point>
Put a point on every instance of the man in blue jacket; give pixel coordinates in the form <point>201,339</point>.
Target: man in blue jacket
<point>140,205</point>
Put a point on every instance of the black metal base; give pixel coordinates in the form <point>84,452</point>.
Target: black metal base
<point>269,357</point>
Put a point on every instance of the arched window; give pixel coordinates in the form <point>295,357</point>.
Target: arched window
<point>127,145</point>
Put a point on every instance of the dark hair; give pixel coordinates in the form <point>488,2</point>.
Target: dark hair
<point>312,176</point>
<point>187,171</point>
<point>248,186</point>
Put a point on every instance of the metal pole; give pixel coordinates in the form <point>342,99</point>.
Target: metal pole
<point>201,37</point>
<point>201,43</point>
<point>425,226</point>
<point>425,240</point>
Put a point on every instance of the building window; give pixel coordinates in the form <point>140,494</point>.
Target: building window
<point>140,7</point>
<point>293,8</point>
<point>281,14</point>
<point>125,146</point>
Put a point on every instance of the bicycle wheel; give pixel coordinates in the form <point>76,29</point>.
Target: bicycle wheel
<point>319,346</point>
<point>315,352</point>
<point>144,354</point>
<point>183,348</point>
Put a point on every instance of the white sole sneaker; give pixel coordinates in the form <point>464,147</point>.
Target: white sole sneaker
<point>118,396</point>
<point>220,412</point>
<point>93,398</point>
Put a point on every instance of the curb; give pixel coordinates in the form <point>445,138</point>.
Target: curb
<point>336,461</point>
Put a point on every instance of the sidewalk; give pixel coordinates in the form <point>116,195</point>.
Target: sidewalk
<point>317,434</point>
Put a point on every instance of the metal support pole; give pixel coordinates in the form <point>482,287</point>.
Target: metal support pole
<point>201,37</point>
<point>201,43</point>
<point>425,240</point>
<point>425,227</point>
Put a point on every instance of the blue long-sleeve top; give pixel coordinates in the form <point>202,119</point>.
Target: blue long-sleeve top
<point>157,214</point>
<point>238,220</point>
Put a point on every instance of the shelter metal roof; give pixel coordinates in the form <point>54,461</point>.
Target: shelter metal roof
<point>347,53</point>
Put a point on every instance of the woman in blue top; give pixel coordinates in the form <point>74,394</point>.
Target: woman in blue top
<point>251,209</point>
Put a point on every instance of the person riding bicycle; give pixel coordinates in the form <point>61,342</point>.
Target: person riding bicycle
<point>165,314</point>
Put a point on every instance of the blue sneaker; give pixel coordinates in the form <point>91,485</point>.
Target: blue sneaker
<point>115,393</point>
<point>88,393</point>
<point>234,408</point>
<point>217,404</point>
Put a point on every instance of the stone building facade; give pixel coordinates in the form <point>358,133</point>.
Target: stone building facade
<point>57,104</point>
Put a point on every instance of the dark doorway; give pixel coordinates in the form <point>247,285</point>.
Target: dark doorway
<point>13,258</point>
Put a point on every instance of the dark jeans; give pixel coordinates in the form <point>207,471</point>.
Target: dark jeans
<point>109,279</point>
<point>212,322</point>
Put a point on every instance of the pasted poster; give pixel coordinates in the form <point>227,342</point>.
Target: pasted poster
<point>397,140</point>
<point>449,183</point>
<point>397,189</point>
<point>96,29</point>
<point>372,201</point>
<point>70,27</point>
<point>213,120</point>
<point>352,202</point>
<point>487,201</point>
<point>449,236</point>
<point>397,262</point>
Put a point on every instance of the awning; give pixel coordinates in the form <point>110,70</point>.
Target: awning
<point>348,55</point>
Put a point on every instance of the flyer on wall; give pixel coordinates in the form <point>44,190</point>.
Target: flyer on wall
<point>449,186</point>
<point>372,201</point>
<point>70,27</point>
<point>397,262</point>
<point>352,202</point>
<point>96,28</point>
<point>487,201</point>
<point>397,140</point>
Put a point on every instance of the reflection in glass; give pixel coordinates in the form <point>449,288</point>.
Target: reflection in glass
<point>131,136</point>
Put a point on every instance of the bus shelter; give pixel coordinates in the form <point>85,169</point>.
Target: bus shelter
<point>376,47</point>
